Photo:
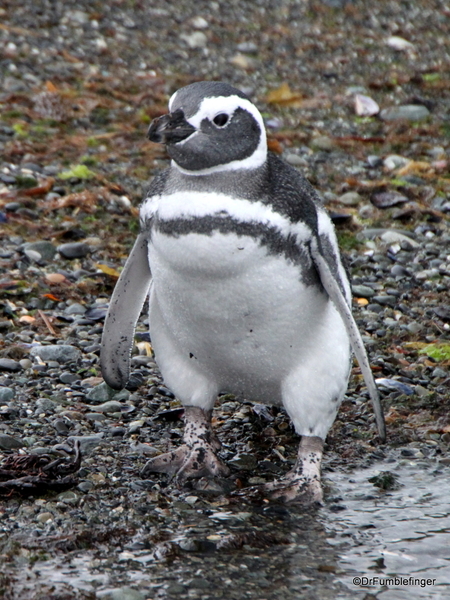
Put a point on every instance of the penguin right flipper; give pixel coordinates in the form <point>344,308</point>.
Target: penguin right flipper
<point>125,306</point>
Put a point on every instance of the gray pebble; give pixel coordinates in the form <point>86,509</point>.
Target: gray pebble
<point>103,393</point>
<point>6,394</point>
<point>25,363</point>
<point>122,593</point>
<point>362,291</point>
<point>109,407</point>
<point>8,364</point>
<point>350,199</point>
<point>95,416</point>
<point>56,352</point>
<point>438,372</point>
<point>74,250</point>
<point>385,300</point>
<point>87,442</point>
<point>46,250</point>
<point>246,462</point>
<point>68,378</point>
<point>408,112</point>
<point>75,309</point>
<point>7,442</point>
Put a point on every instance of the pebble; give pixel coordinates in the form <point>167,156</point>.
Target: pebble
<point>87,442</point>
<point>59,353</point>
<point>74,250</point>
<point>6,394</point>
<point>197,39</point>
<point>394,161</point>
<point>121,593</point>
<point>103,393</point>
<point>407,112</point>
<point>350,199</point>
<point>245,462</point>
<point>362,291</point>
<point>323,142</point>
<point>45,250</point>
<point>109,407</point>
<point>44,517</point>
<point>68,378</point>
<point>8,442</point>
<point>75,309</point>
<point>8,364</point>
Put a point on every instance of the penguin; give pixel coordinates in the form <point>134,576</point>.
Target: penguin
<point>247,290</point>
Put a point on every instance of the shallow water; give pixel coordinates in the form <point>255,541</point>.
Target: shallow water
<point>400,534</point>
<point>361,532</point>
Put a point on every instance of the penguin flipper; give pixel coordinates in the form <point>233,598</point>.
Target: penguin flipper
<point>125,307</point>
<point>333,290</point>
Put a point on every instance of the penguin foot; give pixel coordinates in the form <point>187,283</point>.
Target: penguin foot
<point>196,457</point>
<point>302,483</point>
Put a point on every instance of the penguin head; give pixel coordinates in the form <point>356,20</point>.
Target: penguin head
<point>211,127</point>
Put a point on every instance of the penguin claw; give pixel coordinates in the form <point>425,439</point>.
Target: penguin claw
<point>187,462</point>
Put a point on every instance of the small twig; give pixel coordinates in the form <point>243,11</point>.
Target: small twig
<point>47,322</point>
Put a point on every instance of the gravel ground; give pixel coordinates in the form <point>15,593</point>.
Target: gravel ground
<point>80,83</point>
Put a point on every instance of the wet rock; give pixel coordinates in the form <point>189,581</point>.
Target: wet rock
<point>59,353</point>
<point>68,378</point>
<point>8,364</point>
<point>122,593</point>
<point>6,394</point>
<point>74,250</point>
<point>245,462</point>
<point>407,112</point>
<point>8,442</point>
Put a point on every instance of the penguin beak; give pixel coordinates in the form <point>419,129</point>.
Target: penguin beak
<point>170,129</point>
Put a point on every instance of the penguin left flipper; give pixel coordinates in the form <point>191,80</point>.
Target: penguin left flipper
<point>125,306</point>
<point>333,290</point>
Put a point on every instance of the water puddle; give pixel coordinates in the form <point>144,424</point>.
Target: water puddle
<point>402,535</point>
<point>392,544</point>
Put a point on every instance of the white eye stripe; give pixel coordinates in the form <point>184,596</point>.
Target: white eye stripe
<point>211,107</point>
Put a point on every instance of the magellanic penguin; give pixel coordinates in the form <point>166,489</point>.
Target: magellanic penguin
<point>247,291</point>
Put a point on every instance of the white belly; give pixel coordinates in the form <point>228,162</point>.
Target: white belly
<point>242,316</point>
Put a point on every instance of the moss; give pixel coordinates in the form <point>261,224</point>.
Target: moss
<point>77,172</point>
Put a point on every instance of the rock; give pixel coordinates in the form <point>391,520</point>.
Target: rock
<point>74,250</point>
<point>394,161</point>
<point>407,112</point>
<point>44,517</point>
<point>195,40</point>
<point>350,199</point>
<point>109,407</point>
<point>6,394</point>
<point>25,363</point>
<point>323,142</point>
<point>60,353</point>
<point>362,291</point>
<point>245,462</point>
<point>7,442</point>
<point>8,364</point>
<point>103,393</point>
<point>388,199</point>
<point>122,593</point>
<point>385,300</point>
<point>295,160</point>
<point>75,309</point>
<point>87,442</point>
<point>46,250</point>
<point>398,43</point>
<point>68,378</point>
<point>392,237</point>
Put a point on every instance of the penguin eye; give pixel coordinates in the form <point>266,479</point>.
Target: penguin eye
<point>221,120</point>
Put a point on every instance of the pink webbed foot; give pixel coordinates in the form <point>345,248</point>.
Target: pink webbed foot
<point>197,456</point>
<point>302,483</point>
